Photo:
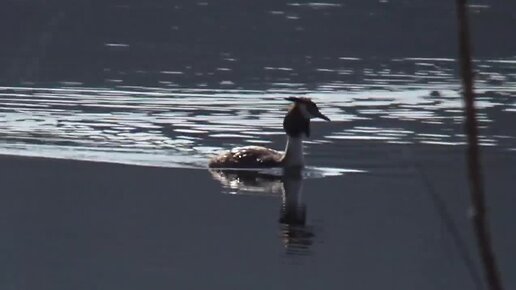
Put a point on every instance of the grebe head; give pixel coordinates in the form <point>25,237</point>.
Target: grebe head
<point>308,107</point>
<point>297,120</point>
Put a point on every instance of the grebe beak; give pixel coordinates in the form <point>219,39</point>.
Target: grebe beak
<point>320,115</point>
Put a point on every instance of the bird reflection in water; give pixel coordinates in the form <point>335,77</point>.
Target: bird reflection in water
<point>296,235</point>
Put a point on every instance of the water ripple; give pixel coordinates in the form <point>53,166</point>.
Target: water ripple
<point>166,126</point>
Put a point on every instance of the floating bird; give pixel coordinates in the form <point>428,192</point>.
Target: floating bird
<point>296,125</point>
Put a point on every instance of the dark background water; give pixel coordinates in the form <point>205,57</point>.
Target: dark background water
<point>203,41</point>
<point>104,226</point>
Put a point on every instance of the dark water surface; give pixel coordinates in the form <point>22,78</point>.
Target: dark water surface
<point>101,226</point>
<point>166,84</point>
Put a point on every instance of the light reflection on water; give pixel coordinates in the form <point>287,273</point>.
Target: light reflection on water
<point>166,126</point>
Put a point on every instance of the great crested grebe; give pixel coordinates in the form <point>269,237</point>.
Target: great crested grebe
<point>296,124</point>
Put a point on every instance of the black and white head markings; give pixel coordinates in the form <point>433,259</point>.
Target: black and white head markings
<point>297,121</point>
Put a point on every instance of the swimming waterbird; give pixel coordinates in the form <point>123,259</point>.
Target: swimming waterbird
<point>296,125</point>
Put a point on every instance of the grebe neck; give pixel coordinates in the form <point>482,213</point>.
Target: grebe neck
<point>294,156</point>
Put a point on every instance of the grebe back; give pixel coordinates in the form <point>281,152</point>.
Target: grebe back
<point>295,124</point>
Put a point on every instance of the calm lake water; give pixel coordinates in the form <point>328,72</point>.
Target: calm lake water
<point>161,86</point>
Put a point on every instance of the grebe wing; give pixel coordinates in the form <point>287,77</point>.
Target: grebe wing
<point>247,157</point>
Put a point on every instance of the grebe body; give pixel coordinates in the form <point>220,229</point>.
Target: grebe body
<point>296,125</point>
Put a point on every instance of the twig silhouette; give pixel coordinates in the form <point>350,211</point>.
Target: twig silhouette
<point>480,223</point>
<point>450,225</point>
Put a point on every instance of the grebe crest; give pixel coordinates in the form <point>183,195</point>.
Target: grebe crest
<point>296,125</point>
